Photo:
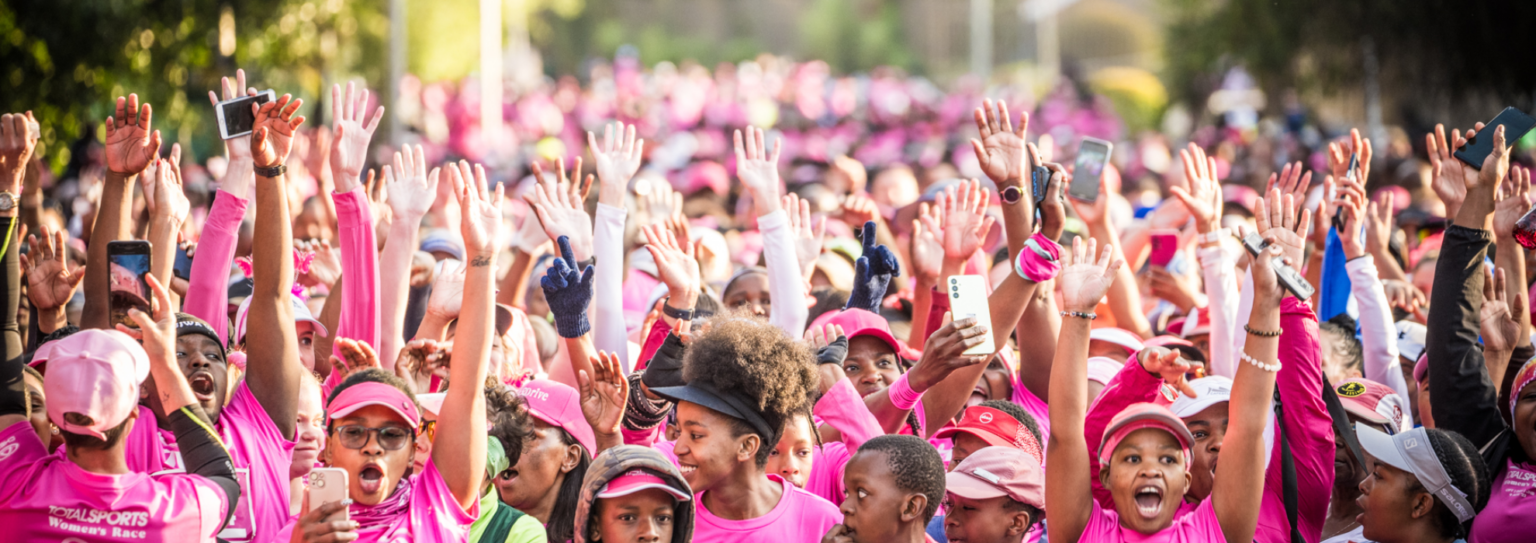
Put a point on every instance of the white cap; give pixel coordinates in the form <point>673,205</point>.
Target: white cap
<point>1410,339</point>
<point>432,402</point>
<point>300,314</point>
<point>1209,391</point>
<point>1412,452</point>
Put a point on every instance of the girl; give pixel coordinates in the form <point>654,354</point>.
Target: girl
<point>1416,491</point>
<point>634,494</point>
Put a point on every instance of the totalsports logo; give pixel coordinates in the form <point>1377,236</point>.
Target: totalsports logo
<point>97,516</point>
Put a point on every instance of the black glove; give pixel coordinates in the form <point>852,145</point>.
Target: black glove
<point>833,353</point>
<point>872,273</point>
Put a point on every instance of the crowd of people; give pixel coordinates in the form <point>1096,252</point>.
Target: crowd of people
<point>766,342</point>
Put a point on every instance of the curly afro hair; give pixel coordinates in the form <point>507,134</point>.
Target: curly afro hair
<point>508,416</point>
<point>757,360</point>
<point>915,466</point>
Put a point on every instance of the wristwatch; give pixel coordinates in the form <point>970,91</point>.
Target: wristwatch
<point>7,200</point>
<point>271,172</point>
<point>1011,194</point>
<point>679,314</point>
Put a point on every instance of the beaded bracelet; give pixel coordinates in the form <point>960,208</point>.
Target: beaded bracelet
<point>1079,314</point>
<point>1275,367</point>
<point>1262,333</point>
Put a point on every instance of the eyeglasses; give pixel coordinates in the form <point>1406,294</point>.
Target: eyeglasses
<point>391,438</point>
<point>429,427</point>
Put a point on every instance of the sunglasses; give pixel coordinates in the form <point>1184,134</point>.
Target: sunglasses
<point>429,427</point>
<point>391,438</point>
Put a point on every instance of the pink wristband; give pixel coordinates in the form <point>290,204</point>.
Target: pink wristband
<point>902,394</point>
<point>1035,267</point>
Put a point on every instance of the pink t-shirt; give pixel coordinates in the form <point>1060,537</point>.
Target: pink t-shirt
<point>1511,507</point>
<point>843,409</point>
<point>48,498</point>
<point>257,449</point>
<point>1200,526</point>
<point>799,516</point>
<point>433,515</point>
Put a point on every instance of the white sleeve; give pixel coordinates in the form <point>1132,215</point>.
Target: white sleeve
<point>608,301</point>
<point>1220,275</point>
<point>1244,310</point>
<point>786,288</point>
<point>1378,339</point>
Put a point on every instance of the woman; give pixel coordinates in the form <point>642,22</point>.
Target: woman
<point>372,417</point>
<point>634,494</point>
<point>546,480</point>
<point>1416,491</point>
<point>1146,449</point>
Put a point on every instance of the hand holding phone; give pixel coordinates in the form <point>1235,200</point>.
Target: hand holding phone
<point>1291,280</point>
<point>235,116</point>
<point>1092,159</point>
<point>968,299</point>
<point>328,485</point>
<point>128,264</point>
<point>1165,244</point>
<point>1515,122</point>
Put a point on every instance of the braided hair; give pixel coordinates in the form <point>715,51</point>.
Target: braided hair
<point>1468,473</point>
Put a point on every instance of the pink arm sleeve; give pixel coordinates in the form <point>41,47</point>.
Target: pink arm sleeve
<point>1308,427</point>
<point>1132,385</point>
<point>653,341</point>
<point>844,409</point>
<point>208,290</point>
<point>360,264</point>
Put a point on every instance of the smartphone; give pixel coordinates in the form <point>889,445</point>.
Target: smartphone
<point>183,266</point>
<point>127,266</point>
<point>1092,157</point>
<point>1165,244</point>
<point>1291,280</point>
<point>1516,123</point>
<point>1350,176</point>
<point>1039,183</point>
<point>968,299</point>
<point>328,485</point>
<point>235,116</point>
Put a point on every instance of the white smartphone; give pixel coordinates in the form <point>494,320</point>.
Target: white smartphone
<point>235,117</point>
<point>328,485</point>
<point>1092,157</point>
<point>968,299</point>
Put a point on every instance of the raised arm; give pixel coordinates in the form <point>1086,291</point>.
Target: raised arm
<point>16,146</point>
<point>411,190</point>
<point>130,146</point>
<point>1378,334</point>
<point>758,170</point>
<point>168,208</point>
<point>274,370</point>
<point>459,451</point>
<point>1511,304</point>
<point>354,216</point>
<point>568,289</point>
<point>1124,298</point>
<point>1204,202</point>
<point>208,288</point>
<point>616,161</point>
<point>1040,316</point>
<point>1068,494</point>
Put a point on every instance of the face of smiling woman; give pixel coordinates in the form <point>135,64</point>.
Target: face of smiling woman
<point>708,451</point>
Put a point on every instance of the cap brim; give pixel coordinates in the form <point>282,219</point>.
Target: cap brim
<point>348,410</point>
<point>675,493</point>
<point>1196,405</point>
<point>1365,414</point>
<point>319,328</point>
<point>991,439</point>
<point>1381,447</point>
<point>691,395</point>
<point>969,487</point>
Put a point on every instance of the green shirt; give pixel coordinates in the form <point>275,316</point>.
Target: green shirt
<point>525,529</point>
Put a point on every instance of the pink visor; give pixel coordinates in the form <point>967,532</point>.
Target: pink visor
<point>362,395</point>
<point>636,480</point>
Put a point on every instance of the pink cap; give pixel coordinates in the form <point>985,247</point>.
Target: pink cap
<point>998,471</point>
<point>1102,369</point>
<point>997,428</point>
<point>636,480</point>
<point>1118,336</point>
<point>859,322</point>
<point>559,405</point>
<point>364,394</point>
<point>95,373</point>
<point>1421,369</point>
<point>1144,415</point>
<point>1373,402</point>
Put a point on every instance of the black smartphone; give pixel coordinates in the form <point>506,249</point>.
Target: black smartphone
<point>235,116</point>
<point>1039,183</point>
<point>1515,122</point>
<point>1092,157</point>
<point>128,264</point>
<point>1350,176</point>
<point>183,266</point>
<point>1291,280</point>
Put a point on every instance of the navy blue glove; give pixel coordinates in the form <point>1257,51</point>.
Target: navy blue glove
<point>568,292</point>
<point>872,273</point>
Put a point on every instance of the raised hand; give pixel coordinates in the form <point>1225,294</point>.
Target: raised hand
<point>16,146</point>
<point>859,208</point>
<point>1266,287</point>
<point>758,169</point>
<point>616,160</point>
<point>349,152</point>
<point>479,213</point>
<point>675,264</point>
<point>1203,198</point>
<point>1493,173</point>
<point>325,268</point>
<point>603,393</point>
<point>558,204</point>
<point>872,272</point>
<point>927,247</point>
<point>163,193</point>
<point>1338,158</point>
<point>1513,200</point>
<point>50,281</point>
<point>447,293</point>
<point>1095,212</point>
<point>1378,225</point>
<point>272,132</point>
<point>1450,174</point>
<point>157,330</point>
<point>808,237</point>
<point>1084,281</point>
<point>568,290</point>
<point>1500,327</point>
<point>1276,220</point>
<point>419,360</point>
<point>1053,209</point>
<point>410,188</point>
<point>131,144</point>
<point>659,202</point>
<point>1351,211</point>
<point>853,171</point>
<point>238,147</point>
<point>355,356</point>
<point>1001,149</point>
<point>1401,294</point>
<point>965,222</point>
<point>1174,288</point>
<point>1166,363</point>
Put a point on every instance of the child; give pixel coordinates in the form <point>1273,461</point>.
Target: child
<point>994,496</point>
<point>634,494</point>
<point>894,484</point>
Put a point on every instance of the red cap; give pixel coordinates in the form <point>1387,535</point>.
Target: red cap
<point>364,394</point>
<point>559,405</point>
<point>1144,415</point>
<point>859,322</point>
<point>996,427</point>
<point>1372,402</point>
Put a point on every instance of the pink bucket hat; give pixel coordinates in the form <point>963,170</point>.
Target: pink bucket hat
<point>95,373</point>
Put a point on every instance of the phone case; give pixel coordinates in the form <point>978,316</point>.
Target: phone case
<point>1516,123</point>
<point>1164,246</point>
<point>968,299</point>
<point>1085,175</point>
<point>1039,180</point>
<point>218,111</point>
<point>328,485</point>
